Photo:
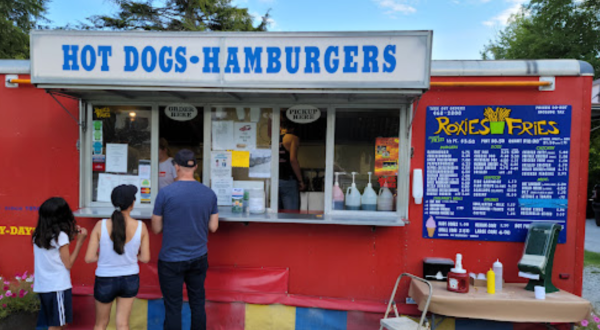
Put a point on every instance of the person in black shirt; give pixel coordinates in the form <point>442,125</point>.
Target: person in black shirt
<point>290,176</point>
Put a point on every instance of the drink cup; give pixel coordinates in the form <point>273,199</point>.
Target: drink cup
<point>540,292</point>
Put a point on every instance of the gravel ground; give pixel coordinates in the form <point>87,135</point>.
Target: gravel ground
<point>591,285</point>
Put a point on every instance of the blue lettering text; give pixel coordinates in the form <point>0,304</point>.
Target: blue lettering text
<point>349,65</point>
<point>253,60</point>
<point>274,64</point>
<point>331,66</point>
<point>165,63</point>
<point>149,52</point>
<point>312,60</point>
<point>131,58</point>
<point>104,52</point>
<point>288,59</point>
<point>232,60</point>
<point>211,59</point>
<point>70,57</point>
<point>370,59</point>
<point>180,58</point>
<point>390,59</point>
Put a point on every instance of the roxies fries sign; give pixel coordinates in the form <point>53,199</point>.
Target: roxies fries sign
<point>496,122</point>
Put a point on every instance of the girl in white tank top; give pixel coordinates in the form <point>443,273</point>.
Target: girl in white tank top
<point>117,244</point>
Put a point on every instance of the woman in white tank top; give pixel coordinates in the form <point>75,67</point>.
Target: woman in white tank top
<point>117,244</point>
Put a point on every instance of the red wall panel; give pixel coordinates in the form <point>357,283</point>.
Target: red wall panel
<point>40,159</point>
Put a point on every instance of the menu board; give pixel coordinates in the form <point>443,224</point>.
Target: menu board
<point>490,171</point>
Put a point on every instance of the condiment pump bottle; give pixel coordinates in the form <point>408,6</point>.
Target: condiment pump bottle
<point>458,278</point>
<point>498,271</point>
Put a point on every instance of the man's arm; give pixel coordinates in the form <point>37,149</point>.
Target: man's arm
<point>213,224</point>
<point>157,224</point>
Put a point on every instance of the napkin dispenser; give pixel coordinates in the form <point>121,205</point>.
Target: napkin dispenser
<point>538,255</point>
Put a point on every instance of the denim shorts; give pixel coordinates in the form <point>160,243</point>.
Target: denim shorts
<point>107,289</point>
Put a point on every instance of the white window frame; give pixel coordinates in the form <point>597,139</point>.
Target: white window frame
<point>85,155</point>
<point>404,154</point>
<point>403,182</point>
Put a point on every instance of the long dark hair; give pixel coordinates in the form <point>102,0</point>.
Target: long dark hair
<point>122,198</point>
<point>54,216</point>
<point>119,233</point>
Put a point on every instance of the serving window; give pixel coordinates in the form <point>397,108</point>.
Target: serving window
<point>366,159</point>
<point>119,151</point>
<point>244,153</point>
<point>240,158</point>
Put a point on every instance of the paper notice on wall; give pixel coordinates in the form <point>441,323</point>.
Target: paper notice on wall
<point>245,136</point>
<point>222,188</point>
<point>260,163</point>
<point>116,158</point>
<point>222,135</point>
<point>108,182</point>
<point>240,158</point>
<point>220,167</point>
<point>144,169</point>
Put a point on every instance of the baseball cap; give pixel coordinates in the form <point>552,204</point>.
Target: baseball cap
<point>185,158</point>
<point>124,195</point>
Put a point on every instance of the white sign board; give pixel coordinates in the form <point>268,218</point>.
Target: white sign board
<point>181,111</point>
<point>366,60</point>
<point>303,114</point>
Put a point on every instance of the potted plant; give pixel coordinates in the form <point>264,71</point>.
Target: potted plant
<point>19,306</point>
<point>592,322</point>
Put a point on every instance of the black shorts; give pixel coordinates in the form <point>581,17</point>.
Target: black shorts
<point>56,308</point>
<point>107,289</point>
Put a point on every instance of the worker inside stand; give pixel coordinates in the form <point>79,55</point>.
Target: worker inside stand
<point>166,169</point>
<point>290,176</point>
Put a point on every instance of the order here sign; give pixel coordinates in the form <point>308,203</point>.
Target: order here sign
<point>396,59</point>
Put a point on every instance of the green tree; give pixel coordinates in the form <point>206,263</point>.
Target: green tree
<point>177,15</point>
<point>17,18</point>
<point>550,29</point>
<point>555,29</point>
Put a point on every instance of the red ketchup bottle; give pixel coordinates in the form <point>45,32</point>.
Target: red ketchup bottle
<point>458,279</point>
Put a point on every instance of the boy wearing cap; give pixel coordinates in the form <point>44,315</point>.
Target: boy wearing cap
<point>184,212</point>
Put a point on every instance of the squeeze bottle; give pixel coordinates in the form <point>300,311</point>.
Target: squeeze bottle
<point>353,196</point>
<point>385,201</point>
<point>498,271</point>
<point>338,193</point>
<point>491,279</point>
<point>458,279</point>
<point>369,197</point>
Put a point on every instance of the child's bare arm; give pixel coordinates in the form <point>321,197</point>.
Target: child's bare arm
<point>68,258</point>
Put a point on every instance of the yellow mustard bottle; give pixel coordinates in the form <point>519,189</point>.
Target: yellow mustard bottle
<point>491,282</point>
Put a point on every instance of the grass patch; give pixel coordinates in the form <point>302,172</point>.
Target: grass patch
<point>591,259</point>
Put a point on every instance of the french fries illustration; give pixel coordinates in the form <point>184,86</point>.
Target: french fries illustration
<point>496,118</point>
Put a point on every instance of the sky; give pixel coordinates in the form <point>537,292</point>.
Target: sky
<point>461,28</point>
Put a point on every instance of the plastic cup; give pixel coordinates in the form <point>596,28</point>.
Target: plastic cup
<point>540,292</point>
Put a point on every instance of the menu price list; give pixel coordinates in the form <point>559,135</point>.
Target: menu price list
<point>489,181</point>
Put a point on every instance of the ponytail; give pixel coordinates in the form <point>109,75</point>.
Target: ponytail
<point>118,235</point>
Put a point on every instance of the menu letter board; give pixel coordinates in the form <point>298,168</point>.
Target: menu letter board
<point>490,171</point>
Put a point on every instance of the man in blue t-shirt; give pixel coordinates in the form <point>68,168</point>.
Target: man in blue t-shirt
<point>184,212</point>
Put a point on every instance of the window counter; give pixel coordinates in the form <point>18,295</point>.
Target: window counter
<point>226,215</point>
